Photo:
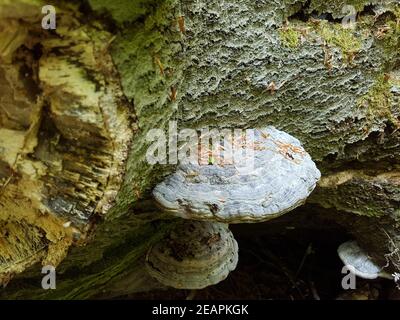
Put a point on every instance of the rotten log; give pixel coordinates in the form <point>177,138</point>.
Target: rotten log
<point>77,103</point>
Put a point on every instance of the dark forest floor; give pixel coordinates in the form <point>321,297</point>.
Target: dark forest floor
<point>285,260</point>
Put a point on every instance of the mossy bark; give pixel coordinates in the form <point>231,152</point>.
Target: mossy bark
<point>80,100</point>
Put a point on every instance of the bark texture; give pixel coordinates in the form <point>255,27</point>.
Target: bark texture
<point>77,102</point>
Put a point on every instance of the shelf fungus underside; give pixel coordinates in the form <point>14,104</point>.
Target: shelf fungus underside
<point>282,177</point>
<point>359,263</point>
<point>64,138</point>
<point>195,255</point>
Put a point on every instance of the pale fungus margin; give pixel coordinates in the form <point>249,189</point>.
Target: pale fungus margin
<point>281,179</point>
<point>213,195</point>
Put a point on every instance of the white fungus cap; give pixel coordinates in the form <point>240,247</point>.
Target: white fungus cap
<point>358,261</point>
<point>281,178</point>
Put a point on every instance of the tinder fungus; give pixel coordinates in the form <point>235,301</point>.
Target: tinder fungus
<point>195,255</point>
<point>280,179</point>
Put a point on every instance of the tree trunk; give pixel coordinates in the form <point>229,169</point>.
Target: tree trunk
<point>77,103</point>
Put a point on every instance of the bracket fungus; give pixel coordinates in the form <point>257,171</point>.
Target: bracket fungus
<point>358,261</point>
<point>194,256</point>
<point>281,178</point>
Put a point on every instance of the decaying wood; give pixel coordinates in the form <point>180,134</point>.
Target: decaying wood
<point>77,102</point>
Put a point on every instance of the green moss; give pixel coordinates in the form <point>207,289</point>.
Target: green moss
<point>335,7</point>
<point>88,281</point>
<point>124,10</point>
<point>292,7</point>
<point>289,37</point>
<point>378,101</point>
<point>345,39</point>
<point>366,24</point>
<point>150,61</point>
<point>389,37</point>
